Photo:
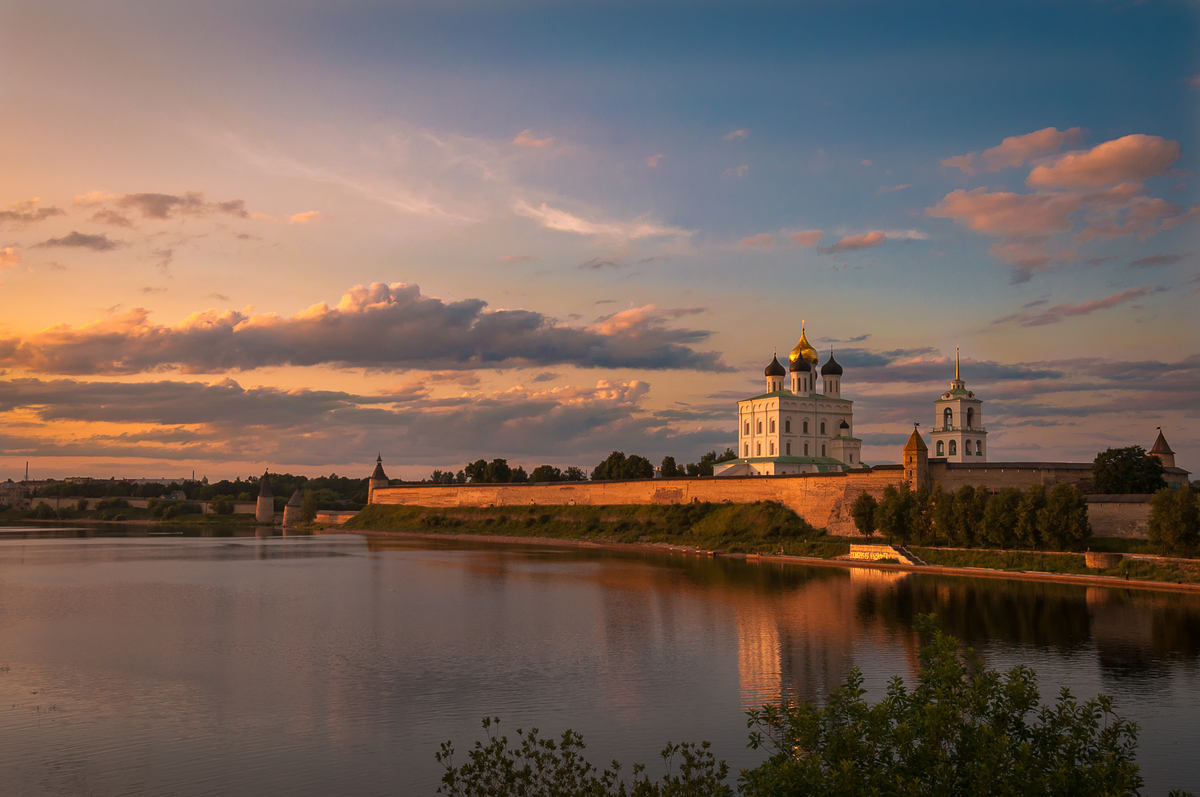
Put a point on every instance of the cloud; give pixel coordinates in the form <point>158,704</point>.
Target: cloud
<point>1006,213</point>
<point>518,259</point>
<point>891,189</point>
<point>619,260</point>
<point>561,220</point>
<point>762,239</point>
<point>525,139</point>
<point>739,171</point>
<point>220,297</point>
<point>653,160</point>
<point>867,162</point>
<point>1195,82</point>
<point>9,258</point>
<point>1060,312</point>
<point>805,238</point>
<point>1016,150</point>
<point>153,205</point>
<point>161,206</point>
<point>111,217</point>
<point>148,289</point>
<point>27,212</point>
<point>1099,261</point>
<point>1159,260</point>
<point>97,243</point>
<point>544,376</point>
<point>305,217</point>
<point>391,327</point>
<point>740,133</point>
<point>852,243</point>
<point>1131,159</point>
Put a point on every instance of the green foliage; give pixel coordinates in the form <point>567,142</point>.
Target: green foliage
<point>619,466</point>
<point>1000,518</point>
<point>1127,470</point>
<point>669,469</point>
<point>112,503</point>
<point>308,507</point>
<point>863,512</point>
<point>81,505</point>
<point>894,514</point>
<point>922,514</point>
<point>1063,521</point>
<point>538,767</point>
<point>43,511</point>
<point>546,473</point>
<point>963,730</point>
<point>442,477</point>
<point>574,474</point>
<point>1174,521</point>
<point>519,476</point>
<point>221,505</point>
<point>1028,532</point>
<point>705,466</point>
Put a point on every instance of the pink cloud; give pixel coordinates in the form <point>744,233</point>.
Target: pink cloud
<point>1016,150</point>
<point>806,238</point>
<point>1059,312</point>
<point>1133,158</point>
<point>853,243</point>
<point>762,239</point>
<point>518,258</point>
<point>1005,213</point>
<point>653,160</point>
<point>305,217</point>
<point>525,139</point>
<point>736,134</point>
<point>9,257</point>
<point>1195,82</point>
<point>891,189</point>
<point>740,171</point>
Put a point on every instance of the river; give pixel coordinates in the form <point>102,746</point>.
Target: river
<point>179,664</point>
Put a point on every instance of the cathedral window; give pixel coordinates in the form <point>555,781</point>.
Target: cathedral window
<point>806,427</point>
<point>953,447</point>
<point>789,449</point>
<point>941,449</point>
<point>772,448</point>
<point>948,419</point>
<point>747,428</point>
<point>746,450</point>
<point>760,427</point>
<point>852,458</point>
<point>772,426</point>
<point>787,426</point>
<point>758,449</point>
<point>970,416</point>
<point>822,427</point>
<point>822,449</point>
<point>806,449</point>
<point>979,447</point>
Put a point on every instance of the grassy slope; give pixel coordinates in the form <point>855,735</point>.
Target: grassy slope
<point>761,527</point>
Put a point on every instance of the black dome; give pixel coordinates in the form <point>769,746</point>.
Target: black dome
<point>800,365</point>
<point>831,367</point>
<point>774,369</point>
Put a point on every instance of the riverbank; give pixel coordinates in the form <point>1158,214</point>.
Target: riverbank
<point>764,530</point>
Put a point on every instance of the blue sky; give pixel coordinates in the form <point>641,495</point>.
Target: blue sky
<point>667,189</point>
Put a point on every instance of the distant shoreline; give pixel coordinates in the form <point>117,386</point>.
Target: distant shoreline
<point>1111,582</point>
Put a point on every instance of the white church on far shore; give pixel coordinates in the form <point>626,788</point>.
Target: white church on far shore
<point>795,428</point>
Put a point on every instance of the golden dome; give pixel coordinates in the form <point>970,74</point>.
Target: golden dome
<point>803,349</point>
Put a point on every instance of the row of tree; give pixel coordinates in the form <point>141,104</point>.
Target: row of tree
<point>1175,521</point>
<point>1037,519</point>
<point>617,465</point>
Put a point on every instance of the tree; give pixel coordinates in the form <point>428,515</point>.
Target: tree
<point>1000,518</point>
<point>221,505</point>
<point>669,469</point>
<point>546,473</point>
<point>519,476</point>
<point>574,474</point>
<point>476,471</point>
<point>961,730</point>
<point>442,477</point>
<point>968,515</point>
<point>610,467</point>
<point>619,466</point>
<point>1174,521</point>
<point>922,515</point>
<point>1127,470</point>
<point>308,507</point>
<point>1029,511</point>
<point>863,512</point>
<point>943,514</point>
<point>497,472</point>
<point>1063,521</point>
<point>705,466</point>
<point>460,477</point>
<point>893,515</point>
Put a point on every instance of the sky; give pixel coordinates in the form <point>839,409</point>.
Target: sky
<point>293,235</point>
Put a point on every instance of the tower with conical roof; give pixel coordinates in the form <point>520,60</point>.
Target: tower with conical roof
<point>291,510</point>
<point>958,432</point>
<point>916,460</point>
<point>264,510</point>
<point>1163,451</point>
<point>377,480</point>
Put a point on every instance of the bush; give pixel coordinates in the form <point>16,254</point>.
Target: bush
<point>43,511</point>
<point>1063,521</point>
<point>113,503</point>
<point>221,505</point>
<point>308,507</point>
<point>1000,518</point>
<point>894,513</point>
<point>1127,470</point>
<point>1174,521</point>
<point>81,505</point>
<point>863,512</point>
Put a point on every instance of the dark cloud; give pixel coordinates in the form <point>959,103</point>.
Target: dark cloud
<point>97,243</point>
<point>1159,260</point>
<point>112,218</point>
<point>234,207</point>
<point>545,376</point>
<point>616,261</point>
<point>162,206</point>
<point>1060,312</point>
<point>1099,261</point>
<point>27,212</point>
<point>220,297</point>
<point>390,327</point>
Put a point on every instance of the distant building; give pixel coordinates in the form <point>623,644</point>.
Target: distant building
<point>378,478</point>
<point>264,511</point>
<point>958,434</point>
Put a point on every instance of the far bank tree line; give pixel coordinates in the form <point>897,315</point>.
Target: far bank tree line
<point>617,465</point>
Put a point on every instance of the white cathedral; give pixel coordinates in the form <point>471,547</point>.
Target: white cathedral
<point>796,428</point>
<point>800,429</point>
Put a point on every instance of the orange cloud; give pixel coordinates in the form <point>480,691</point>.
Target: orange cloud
<point>1005,213</point>
<point>736,134</point>
<point>806,238</point>
<point>9,257</point>
<point>653,160</point>
<point>524,139</point>
<point>1133,158</point>
<point>1058,312</point>
<point>1016,150</point>
<point>305,217</point>
<point>853,243</point>
<point>518,258</point>
<point>762,239</point>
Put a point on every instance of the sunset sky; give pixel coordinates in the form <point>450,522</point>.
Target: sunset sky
<point>237,235</point>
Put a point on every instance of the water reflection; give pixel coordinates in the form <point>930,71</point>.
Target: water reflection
<point>249,664</point>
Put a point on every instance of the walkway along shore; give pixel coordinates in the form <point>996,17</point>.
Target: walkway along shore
<point>969,572</point>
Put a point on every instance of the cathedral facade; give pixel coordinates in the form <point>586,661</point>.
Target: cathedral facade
<point>798,425</point>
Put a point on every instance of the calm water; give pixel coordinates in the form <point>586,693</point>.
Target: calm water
<point>169,665</point>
